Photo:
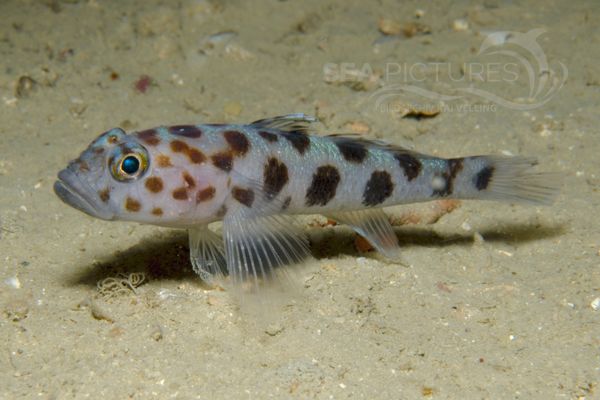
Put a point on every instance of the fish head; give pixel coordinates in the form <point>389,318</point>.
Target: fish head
<point>149,177</point>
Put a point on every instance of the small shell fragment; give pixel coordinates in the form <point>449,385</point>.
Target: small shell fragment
<point>25,86</point>
<point>219,38</point>
<point>389,27</point>
<point>595,304</point>
<point>13,282</point>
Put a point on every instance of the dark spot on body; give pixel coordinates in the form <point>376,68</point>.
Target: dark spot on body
<point>323,187</point>
<point>188,179</point>
<point>157,211</point>
<point>483,178</point>
<point>352,151</point>
<point>205,194</point>
<point>275,177</point>
<point>180,193</point>
<point>238,142</point>
<point>378,188</point>
<point>99,150</point>
<point>194,155</point>
<point>409,164</point>
<point>154,184</point>
<point>268,136</point>
<point>163,161</point>
<point>286,203</point>
<point>189,131</point>
<point>223,161</point>
<point>132,204</point>
<point>104,195</point>
<point>149,136</point>
<point>454,166</point>
<point>244,196</point>
<point>299,140</point>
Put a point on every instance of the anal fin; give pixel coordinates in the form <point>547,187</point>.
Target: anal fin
<point>373,225</point>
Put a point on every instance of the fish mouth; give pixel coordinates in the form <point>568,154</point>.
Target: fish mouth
<point>79,195</point>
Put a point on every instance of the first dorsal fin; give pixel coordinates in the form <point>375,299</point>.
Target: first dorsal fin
<point>298,122</point>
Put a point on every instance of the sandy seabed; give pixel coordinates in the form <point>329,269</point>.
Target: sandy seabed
<point>499,301</point>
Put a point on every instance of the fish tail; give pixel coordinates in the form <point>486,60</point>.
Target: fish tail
<point>508,179</point>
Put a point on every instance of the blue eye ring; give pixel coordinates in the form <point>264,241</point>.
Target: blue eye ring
<point>130,166</point>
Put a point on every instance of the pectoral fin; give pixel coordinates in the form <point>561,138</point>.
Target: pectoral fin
<point>260,248</point>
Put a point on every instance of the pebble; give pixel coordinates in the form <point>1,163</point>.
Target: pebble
<point>238,53</point>
<point>157,333</point>
<point>16,310</point>
<point>460,25</point>
<point>595,304</point>
<point>274,329</point>
<point>390,27</point>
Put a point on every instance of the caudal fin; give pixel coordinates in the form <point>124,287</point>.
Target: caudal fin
<point>515,179</point>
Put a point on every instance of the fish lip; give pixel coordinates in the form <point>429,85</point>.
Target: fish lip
<point>76,193</point>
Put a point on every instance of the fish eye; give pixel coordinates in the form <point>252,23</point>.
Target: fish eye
<point>130,166</point>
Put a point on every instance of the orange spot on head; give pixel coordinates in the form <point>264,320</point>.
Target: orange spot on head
<point>178,146</point>
<point>154,184</point>
<point>132,205</point>
<point>163,161</point>
<point>180,193</point>
<point>104,195</point>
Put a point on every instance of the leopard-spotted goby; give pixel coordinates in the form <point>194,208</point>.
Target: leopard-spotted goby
<point>254,177</point>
